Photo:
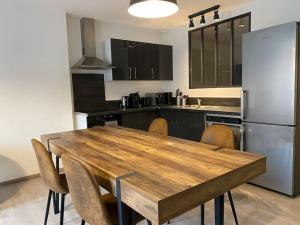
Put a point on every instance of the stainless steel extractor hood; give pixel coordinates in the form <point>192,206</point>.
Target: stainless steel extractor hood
<point>89,61</point>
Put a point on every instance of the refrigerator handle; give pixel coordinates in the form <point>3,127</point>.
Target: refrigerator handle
<point>242,142</point>
<point>244,100</point>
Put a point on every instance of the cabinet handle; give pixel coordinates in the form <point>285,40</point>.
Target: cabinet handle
<point>134,72</point>
<point>129,73</point>
<point>152,70</point>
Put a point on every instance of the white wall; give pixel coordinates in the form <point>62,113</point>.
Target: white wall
<point>34,81</point>
<point>113,89</point>
<point>265,13</point>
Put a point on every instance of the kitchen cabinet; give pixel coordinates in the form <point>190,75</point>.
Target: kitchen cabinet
<point>215,53</point>
<point>120,59</point>
<point>183,124</point>
<point>139,120</point>
<point>165,64</point>
<point>141,61</point>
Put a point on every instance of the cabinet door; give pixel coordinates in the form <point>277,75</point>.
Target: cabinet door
<point>171,118</point>
<point>133,59</point>
<point>165,62</point>
<point>224,78</point>
<point>119,55</point>
<point>209,57</point>
<point>146,119</point>
<point>196,59</point>
<point>131,120</point>
<point>191,125</point>
<point>241,26</point>
<point>147,62</point>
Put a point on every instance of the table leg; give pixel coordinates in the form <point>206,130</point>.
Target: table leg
<point>57,194</point>
<point>219,210</point>
<point>121,211</point>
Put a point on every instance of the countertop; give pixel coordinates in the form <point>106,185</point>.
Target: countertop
<point>211,109</point>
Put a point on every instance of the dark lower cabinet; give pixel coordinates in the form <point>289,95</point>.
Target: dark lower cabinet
<point>138,120</point>
<point>186,125</point>
<point>182,124</point>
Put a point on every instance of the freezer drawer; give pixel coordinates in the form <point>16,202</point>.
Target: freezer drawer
<point>269,70</point>
<point>277,144</point>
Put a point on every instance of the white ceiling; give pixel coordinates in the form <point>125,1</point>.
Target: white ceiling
<point>115,11</point>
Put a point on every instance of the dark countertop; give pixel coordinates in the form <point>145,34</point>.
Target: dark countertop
<point>208,109</point>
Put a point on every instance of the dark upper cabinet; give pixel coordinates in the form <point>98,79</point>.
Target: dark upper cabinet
<point>165,62</point>
<point>209,57</point>
<point>240,26</point>
<point>141,61</point>
<point>120,59</point>
<point>215,53</point>
<point>224,66</point>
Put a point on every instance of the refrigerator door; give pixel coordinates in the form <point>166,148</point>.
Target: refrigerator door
<point>269,70</point>
<point>277,144</point>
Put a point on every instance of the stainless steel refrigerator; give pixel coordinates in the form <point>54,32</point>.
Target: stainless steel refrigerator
<point>271,106</point>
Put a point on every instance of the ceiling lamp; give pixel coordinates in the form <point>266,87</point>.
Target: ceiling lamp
<point>216,16</point>
<point>202,21</point>
<point>152,8</point>
<point>191,23</point>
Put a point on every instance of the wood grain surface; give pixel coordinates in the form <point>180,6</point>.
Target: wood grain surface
<point>172,175</point>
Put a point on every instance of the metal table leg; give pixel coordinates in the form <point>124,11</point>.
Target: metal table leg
<point>57,194</point>
<point>121,211</point>
<point>219,210</point>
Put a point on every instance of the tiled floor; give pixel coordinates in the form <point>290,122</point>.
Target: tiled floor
<point>24,204</point>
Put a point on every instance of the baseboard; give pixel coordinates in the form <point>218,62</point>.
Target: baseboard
<point>19,179</point>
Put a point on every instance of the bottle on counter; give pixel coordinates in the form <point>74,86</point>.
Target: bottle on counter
<point>184,100</point>
<point>178,97</point>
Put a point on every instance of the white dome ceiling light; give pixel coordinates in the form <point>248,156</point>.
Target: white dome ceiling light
<point>152,8</point>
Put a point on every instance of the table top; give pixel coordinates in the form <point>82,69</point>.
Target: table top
<point>171,176</point>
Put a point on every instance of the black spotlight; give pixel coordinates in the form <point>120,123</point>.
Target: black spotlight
<point>202,21</point>
<point>191,23</point>
<point>216,16</point>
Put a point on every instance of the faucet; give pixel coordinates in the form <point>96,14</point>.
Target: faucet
<point>199,101</point>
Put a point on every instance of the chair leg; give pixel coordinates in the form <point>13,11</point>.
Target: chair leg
<point>202,214</point>
<point>55,208</point>
<point>82,222</point>
<point>48,206</point>
<point>62,211</point>
<point>233,208</point>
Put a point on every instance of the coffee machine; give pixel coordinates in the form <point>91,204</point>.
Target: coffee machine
<point>134,100</point>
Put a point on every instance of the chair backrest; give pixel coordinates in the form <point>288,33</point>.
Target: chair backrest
<point>47,169</point>
<point>85,192</point>
<point>219,135</point>
<point>159,126</point>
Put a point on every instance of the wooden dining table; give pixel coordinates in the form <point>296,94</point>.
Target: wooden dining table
<point>160,177</point>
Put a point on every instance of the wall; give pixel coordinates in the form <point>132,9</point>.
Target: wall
<point>264,14</point>
<point>103,31</point>
<point>34,81</point>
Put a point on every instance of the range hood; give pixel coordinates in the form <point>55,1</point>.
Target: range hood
<point>89,61</point>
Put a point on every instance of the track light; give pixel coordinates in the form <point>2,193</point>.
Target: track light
<point>202,13</point>
<point>202,21</point>
<point>191,23</point>
<point>216,15</point>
